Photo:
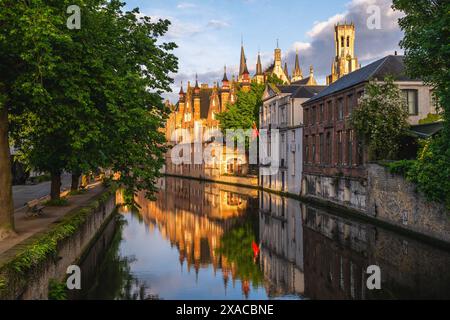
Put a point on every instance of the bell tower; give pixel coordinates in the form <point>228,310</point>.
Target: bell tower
<point>345,60</point>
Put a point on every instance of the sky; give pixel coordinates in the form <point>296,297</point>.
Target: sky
<point>209,33</point>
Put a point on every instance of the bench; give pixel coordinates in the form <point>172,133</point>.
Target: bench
<point>34,208</point>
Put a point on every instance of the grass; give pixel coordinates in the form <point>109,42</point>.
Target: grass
<point>77,192</point>
<point>62,202</point>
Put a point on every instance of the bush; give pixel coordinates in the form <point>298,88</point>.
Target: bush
<point>431,171</point>
<point>56,290</point>
<point>402,167</point>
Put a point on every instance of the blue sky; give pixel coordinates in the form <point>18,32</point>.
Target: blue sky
<point>209,32</point>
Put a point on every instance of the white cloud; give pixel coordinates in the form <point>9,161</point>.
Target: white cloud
<point>185,5</point>
<point>217,24</point>
<point>369,45</point>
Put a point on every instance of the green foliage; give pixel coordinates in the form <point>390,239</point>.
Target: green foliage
<point>426,25</point>
<point>245,112</point>
<point>381,118</point>
<point>401,167</point>
<point>57,290</point>
<point>62,202</point>
<point>431,171</point>
<point>88,98</point>
<point>431,118</point>
<point>236,246</point>
<point>46,245</point>
<point>77,192</point>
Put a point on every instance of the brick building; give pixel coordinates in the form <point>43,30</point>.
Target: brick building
<point>334,156</point>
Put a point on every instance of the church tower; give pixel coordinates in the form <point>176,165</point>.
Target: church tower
<point>278,67</point>
<point>297,75</point>
<point>259,76</point>
<point>244,75</point>
<point>345,60</point>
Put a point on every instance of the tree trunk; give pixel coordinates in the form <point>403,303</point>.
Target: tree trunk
<point>75,181</point>
<point>55,189</point>
<point>6,199</point>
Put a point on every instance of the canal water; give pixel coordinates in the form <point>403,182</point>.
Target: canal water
<point>211,241</point>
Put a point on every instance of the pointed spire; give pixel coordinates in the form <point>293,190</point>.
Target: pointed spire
<point>259,65</point>
<point>297,70</point>
<point>181,89</point>
<point>286,69</point>
<point>225,78</point>
<point>243,63</point>
<point>196,88</point>
<point>196,81</point>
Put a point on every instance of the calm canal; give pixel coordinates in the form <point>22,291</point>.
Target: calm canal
<point>210,241</point>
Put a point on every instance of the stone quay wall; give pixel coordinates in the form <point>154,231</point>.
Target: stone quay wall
<point>25,274</point>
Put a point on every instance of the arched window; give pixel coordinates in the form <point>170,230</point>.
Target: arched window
<point>342,41</point>
<point>348,42</point>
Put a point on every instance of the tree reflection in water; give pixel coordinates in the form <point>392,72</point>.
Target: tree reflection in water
<point>114,279</point>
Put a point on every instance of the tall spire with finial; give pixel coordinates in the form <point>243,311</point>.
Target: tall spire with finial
<point>225,78</point>
<point>297,74</point>
<point>243,63</point>
<point>196,88</point>
<point>181,89</point>
<point>259,65</point>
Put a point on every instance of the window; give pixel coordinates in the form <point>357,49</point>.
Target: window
<point>350,148</point>
<point>330,111</point>
<point>306,149</point>
<point>313,115</point>
<point>321,150</point>
<point>350,104</point>
<point>329,149</point>
<point>411,100</point>
<point>340,105</point>
<point>313,150</point>
<point>321,112</point>
<point>348,42</point>
<point>305,115</point>
<point>342,42</point>
<point>339,145</point>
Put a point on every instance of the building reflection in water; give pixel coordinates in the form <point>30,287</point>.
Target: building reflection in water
<point>281,248</point>
<point>195,217</point>
<point>281,236</point>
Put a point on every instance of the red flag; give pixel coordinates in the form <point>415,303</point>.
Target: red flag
<point>255,248</point>
<point>255,131</point>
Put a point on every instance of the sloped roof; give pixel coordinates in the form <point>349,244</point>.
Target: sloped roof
<point>426,130</point>
<point>389,65</point>
<point>304,81</point>
<point>308,91</point>
<point>287,89</point>
<point>205,95</point>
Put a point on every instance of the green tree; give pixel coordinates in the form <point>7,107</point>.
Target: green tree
<point>26,30</point>
<point>245,112</point>
<point>426,25</point>
<point>381,118</point>
<point>78,99</point>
